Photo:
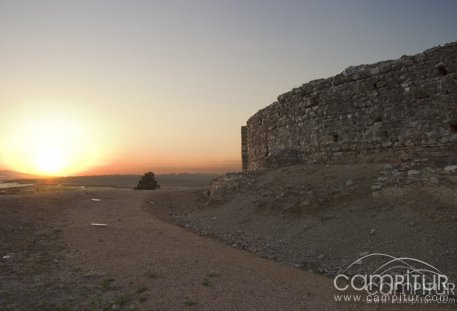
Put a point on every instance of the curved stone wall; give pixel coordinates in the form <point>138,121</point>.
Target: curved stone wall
<point>385,112</point>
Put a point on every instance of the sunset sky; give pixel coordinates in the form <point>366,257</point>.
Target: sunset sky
<point>95,87</point>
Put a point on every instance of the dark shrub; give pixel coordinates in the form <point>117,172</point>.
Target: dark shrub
<point>147,182</point>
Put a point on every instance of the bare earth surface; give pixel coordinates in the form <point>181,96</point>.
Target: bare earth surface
<point>58,261</point>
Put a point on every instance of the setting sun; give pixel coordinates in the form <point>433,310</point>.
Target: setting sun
<point>54,143</point>
<point>50,161</point>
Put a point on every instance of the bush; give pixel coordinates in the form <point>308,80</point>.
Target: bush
<point>147,182</point>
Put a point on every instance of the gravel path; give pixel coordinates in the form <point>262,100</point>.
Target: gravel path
<point>178,267</point>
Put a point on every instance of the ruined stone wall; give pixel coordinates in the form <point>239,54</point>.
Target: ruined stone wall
<point>389,111</point>
<point>244,148</point>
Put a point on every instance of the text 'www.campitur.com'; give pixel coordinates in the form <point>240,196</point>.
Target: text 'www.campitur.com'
<point>395,299</point>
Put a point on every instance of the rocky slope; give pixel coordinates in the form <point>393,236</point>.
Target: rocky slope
<point>322,218</point>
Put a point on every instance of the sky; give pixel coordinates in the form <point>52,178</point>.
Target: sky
<point>113,87</point>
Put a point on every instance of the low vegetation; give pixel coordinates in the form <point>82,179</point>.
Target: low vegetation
<point>147,182</point>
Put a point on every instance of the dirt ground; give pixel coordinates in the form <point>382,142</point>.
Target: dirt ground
<point>52,258</point>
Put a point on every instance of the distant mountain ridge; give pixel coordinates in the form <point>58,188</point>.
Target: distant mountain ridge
<point>8,174</point>
<point>182,180</point>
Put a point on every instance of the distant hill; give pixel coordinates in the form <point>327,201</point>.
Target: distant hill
<point>123,181</point>
<point>8,174</point>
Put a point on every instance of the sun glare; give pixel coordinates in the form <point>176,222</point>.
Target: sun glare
<point>55,143</point>
<point>50,161</point>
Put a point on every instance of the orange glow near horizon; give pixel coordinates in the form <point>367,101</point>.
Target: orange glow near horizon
<point>61,140</point>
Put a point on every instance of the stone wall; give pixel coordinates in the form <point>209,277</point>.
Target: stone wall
<point>391,111</point>
<point>244,148</point>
